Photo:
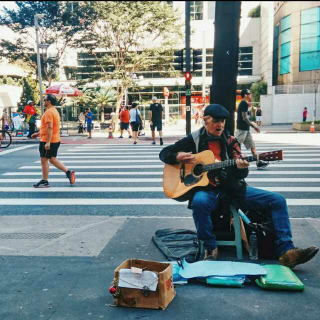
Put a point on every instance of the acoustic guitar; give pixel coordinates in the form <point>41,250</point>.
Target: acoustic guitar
<point>180,179</point>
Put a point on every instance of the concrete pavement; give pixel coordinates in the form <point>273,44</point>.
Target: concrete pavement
<point>67,277</point>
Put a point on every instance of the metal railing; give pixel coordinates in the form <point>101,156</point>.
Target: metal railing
<point>297,89</point>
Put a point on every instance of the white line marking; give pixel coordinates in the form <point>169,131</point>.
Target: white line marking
<point>106,161</point>
<point>103,153</point>
<point>132,180</point>
<point>104,149</point>
<point>79,173</point>
<point>83,189</point>
<point>108,157</point>
<point>157,173</point>
<point>136,190</point>
<point>90,202</point>
<point>15,149</point>
<point>103,167</point>
<point>149,180</point>
<point>123,202</point>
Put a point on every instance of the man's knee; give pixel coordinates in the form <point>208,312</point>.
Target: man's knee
<point>202,201</point>
<point>52,160</point>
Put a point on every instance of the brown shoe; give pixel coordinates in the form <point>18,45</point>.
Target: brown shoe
<point>293,257</point>
<point>211,255</point>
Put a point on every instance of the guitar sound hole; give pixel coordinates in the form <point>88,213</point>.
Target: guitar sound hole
<point>197,170</point>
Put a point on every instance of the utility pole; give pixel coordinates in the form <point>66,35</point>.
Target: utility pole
<point>188,70</point>
<point>36,17</point>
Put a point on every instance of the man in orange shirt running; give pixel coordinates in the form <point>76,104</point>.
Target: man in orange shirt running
<point>50,142</point>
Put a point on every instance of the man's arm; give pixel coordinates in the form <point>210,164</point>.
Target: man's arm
<point>180,152</point>
<point>49,127</point>
<point>150,116</point>
<point>250,123</point>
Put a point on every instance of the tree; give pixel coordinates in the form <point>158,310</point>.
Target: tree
<point>255,12</point>
<point>257,89</point>
<point>105,97</point>
<point>59,28</point>
<point>128,37</point>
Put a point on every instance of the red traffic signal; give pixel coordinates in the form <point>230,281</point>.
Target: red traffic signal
<point>187,76</point>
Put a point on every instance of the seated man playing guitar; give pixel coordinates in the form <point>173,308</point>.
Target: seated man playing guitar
<point>205,199</point>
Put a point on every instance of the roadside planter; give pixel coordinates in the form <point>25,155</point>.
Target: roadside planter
<point>300,126</point>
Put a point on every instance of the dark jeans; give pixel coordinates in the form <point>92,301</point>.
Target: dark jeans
<point>32,129</point>
<point>205,202</point>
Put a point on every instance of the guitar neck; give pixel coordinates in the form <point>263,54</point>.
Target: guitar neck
<point>225,164</point>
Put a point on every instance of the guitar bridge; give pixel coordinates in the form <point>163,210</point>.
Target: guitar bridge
<point>182,173</point>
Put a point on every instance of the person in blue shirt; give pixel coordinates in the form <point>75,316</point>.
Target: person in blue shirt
<point>88,116</point>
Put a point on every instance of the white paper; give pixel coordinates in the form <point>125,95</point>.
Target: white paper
<point>128,279</point>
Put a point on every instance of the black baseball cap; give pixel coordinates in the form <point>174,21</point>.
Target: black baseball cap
<point>216,111</point>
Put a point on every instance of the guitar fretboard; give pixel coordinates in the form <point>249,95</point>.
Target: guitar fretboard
<point>225,164</point>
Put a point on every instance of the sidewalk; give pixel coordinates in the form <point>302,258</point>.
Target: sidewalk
<point>58,282</point>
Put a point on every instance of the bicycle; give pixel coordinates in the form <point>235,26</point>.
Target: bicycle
<point>5,139</point>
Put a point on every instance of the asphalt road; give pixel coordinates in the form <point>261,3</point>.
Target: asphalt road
<point>126,180</point>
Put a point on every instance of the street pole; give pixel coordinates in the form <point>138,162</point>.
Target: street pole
<point>36,16</point>
<point>188,69</point>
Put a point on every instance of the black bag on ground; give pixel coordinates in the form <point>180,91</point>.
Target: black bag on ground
<point>262,224</point>
<point>177,244</point>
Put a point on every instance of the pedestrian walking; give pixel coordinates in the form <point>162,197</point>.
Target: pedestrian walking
<point>113,121</point>
<point>49,143</point>
<point>135,120</point>
<point>243,134</point>
<point>124,117</point>
<point>259,116</point>
<point>155,118</point>
<point>305,114</point>
<point>30,112</point>
<point>88,114</point>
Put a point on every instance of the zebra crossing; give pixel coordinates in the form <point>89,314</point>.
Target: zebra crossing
<point>123,179</point>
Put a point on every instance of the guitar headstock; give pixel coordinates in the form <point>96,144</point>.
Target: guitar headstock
<point>271,156</point>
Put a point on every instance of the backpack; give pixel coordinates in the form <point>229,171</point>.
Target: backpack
<point>262,224</point>
<point>177,244</point>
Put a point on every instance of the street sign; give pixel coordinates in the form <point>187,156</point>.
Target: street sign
<point>188,92</point>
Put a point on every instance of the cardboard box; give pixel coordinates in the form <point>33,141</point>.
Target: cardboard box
<point>142,298</point>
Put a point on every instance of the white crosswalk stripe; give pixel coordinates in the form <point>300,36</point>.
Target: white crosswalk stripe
<point>125,175</point>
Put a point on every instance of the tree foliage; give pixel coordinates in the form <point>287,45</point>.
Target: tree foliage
<point>137,36</point>
<point>257,89</point>
<point>255,12</point>
<point>58,28</point>
<point>31,91</point>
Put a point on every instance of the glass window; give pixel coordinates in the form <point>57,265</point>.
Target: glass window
<point>285,41</point>
<point>285,50</point>
<point>196,10</point>
<point>275,56</point>
<point>310,30</point>
<point>308,45</point>
<point>309,61</point>
<point>285,36</point>
<point>310,15</point>
<point>245,50</point>
<point>285,65</point>
<point>310,39</point>
<point>285,23</point>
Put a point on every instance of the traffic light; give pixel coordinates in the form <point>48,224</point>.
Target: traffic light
<point>196,59</point>
<point>187,76</point>
<point>178,54</point>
